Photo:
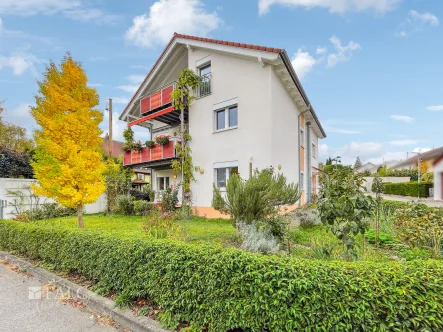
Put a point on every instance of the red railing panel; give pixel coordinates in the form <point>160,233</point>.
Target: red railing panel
<point>168,150</point>
<point>145,104</point>
<point>146,154</point>
<point>136,157</point>
<point>127,158</point>
<point>156,100</point>
<point>157,152</point>
<point>166,94</point>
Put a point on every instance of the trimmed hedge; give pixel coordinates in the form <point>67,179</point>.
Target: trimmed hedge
<point>228,288</point>
<point>408,189</point>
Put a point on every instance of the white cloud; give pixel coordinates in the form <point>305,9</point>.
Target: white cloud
<point>427,18</point>
<point>321,50</point>
<point>323,151</point>
<point>95,85</point>
<point>416,22</point>
<point>343,53</point>
<point>120,100</point>
<point>168,16</point>
<point>421,150</point>
<point>132,88</point>
<point>136,79</point>
<point>404,142</point>
<point>403,118</point>
<point>435,108</point>
<point>334,6</point>
<point>303,63</point>
<point>20,116</point>
<point>341,131</point>
<point>119,126</point>
<point>78,10</point>
<point>19,63</point>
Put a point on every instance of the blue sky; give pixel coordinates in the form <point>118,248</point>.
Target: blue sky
<point>373,69</point>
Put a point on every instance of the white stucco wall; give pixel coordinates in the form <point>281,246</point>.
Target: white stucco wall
<point>22,184</point>
<point>438,183</point>
<point>246,80</point>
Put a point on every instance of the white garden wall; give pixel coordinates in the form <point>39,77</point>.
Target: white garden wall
<point>23,185</point>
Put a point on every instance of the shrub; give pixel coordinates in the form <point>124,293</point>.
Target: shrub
<point>306,217</point>
<point>15,164</point>
<point>169,199</point>
<point>428,177</point>
<point>393,206</point>
<point>256,239</point>
<point>415,254</point>
<point>141,195</point>
<point>383,238</point>
<point>413,189</point>
<point>226,289</point>
<point>150,143</point>
<point>125,205</point>
<point>143,208</point>
<point>162,226</point>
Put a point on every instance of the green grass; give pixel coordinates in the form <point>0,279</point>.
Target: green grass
<point>198,229</point>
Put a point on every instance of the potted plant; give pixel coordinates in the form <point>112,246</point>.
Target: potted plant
<point>162,139</point>
<point>150,143</point>
<point>127,147</point>
<point>137,146</point>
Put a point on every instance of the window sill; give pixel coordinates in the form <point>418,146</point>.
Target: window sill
<point>226,129</point>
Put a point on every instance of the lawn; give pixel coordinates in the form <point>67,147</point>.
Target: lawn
<point>199,229</point>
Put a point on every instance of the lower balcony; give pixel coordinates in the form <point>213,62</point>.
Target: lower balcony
<point>158,156</point>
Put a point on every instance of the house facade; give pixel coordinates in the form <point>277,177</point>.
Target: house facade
<point>438,178</point>
<point>251,112</point>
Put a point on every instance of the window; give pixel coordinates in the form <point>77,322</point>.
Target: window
<point>140,176</point>
<point>226,119</point>
<point>314,154</point>
<point>205,85</point>
<point>222,175</point>
<point>163,182</point>
<point>302,137</point>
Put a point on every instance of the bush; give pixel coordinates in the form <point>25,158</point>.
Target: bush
<point>226,289</point>
<point>383,238</point>
<point>393,206</point>
<point>414,254</point>
<point>47,211</point>
<point>428,177</point>
<point>169,199</point>
<point>162,226</point>
<point>15,164</point>
<point>413,189</point>
<point>256,239</point>
<point>125,205</point>
<point>306,217</point>
<point>141,195</point>
<point>143,208</point>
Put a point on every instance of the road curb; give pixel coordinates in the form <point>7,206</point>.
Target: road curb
<point>125,317</point>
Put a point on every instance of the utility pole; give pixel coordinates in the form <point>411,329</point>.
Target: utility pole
<point>110,128</point>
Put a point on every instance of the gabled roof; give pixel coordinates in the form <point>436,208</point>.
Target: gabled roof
<point>429,155</point>
<point>281,52</point>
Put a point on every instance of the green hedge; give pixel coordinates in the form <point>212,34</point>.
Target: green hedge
<point>408,189</point>
<point>226,289</point>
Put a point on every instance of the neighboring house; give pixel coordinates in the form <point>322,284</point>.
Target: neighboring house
<point>117,147</point>
<point>141,178</point>
<point>368,167</point>
<point>251,112</point>
<point>426,157</point>
<point>438,178</point>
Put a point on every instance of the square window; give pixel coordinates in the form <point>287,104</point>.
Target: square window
<point>205,70</point>
<point>233,121</point>
<point>221,120</point>
<point>163,183</point>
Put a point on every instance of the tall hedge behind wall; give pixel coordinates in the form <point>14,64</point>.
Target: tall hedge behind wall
<point>413,189</point>
<point>228,288</point>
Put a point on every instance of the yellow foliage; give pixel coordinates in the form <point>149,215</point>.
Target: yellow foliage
<point>68,163</point>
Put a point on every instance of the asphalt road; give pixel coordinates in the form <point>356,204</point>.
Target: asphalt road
<point>21,310</point>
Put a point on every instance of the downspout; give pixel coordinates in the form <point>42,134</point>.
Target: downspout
<point>309,164</point>
<point>299,153</point>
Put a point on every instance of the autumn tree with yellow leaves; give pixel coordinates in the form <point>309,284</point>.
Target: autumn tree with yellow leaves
<point>68,163</point>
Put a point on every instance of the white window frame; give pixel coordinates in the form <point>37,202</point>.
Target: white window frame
<point>163,179</point>
<point>227,166</point>
<point>140,176</point>
<point>226,110</point>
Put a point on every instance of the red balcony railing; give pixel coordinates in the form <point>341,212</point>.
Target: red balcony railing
<point>157,152</point>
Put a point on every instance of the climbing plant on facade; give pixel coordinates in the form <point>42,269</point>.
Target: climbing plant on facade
<point>182,99</point>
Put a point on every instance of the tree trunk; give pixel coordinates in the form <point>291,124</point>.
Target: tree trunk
<point>80,216</point>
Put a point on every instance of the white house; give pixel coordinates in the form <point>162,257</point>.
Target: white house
<point>438,178</point>
<point>251,112</point>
